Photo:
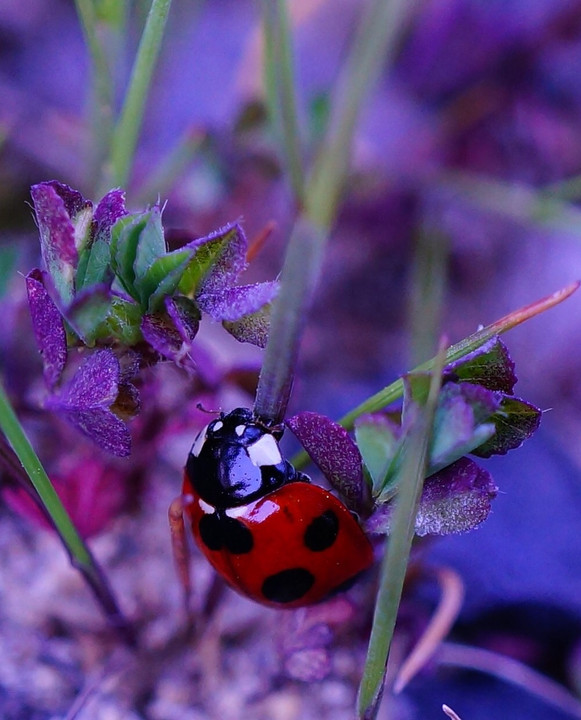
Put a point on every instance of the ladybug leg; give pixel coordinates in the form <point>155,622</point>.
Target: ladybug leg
<point>180,549</point>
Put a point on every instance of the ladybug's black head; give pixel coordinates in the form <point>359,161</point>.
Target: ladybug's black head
<point>236,459</point>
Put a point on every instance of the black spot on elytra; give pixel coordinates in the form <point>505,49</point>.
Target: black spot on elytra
<point>219,531</point>
<point>322,532</point>
<point>288,585</point>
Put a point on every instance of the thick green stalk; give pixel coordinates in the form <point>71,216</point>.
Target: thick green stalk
<point>395,562</point>
<point>375,40</point>
<point>127,130</point>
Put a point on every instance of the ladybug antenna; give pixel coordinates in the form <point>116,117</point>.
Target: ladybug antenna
<point>203,409</point>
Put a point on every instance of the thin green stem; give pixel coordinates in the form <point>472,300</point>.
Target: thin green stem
<point>374,46</point>
<point>280,89</point>
<point>102,88</point>
<point>375,40</point>
<point>394,566</point>
<point>79,553</point>
<point>394,391</point>
<point>127,130</point>
<point>162,178</point>
<point>298,280</point>
<point>427,290</point>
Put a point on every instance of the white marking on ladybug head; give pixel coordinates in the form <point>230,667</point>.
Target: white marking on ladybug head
<point>239,430</point>
<point>206,508</point>
<point>264,451</point>
<point>199,442</point>
<point>218,425</point>
<point>236,512</point>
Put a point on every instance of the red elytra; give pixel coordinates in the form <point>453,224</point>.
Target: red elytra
<point>292,547</point>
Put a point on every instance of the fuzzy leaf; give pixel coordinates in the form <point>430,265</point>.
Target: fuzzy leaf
<point>151,244</point>
<point>218,260</point>
<point>94,266</point>
<point>515,421</point>
<point>48,328</point>
<point>171,333</point>
<point>57,238</point>
<point>454,500</point>
<point>88,311</point>
<point>490,366</point>
<point>378,440</point>
<point>123,322</point>
<point>125,235</point>
<point>86,399</point>
<point>333,451</point>
<point>237,302</point>
<point>185,315</point>
<point>463,421</point>
<point>252,328</point>
<point>162,278</point>
<point>109,209</point>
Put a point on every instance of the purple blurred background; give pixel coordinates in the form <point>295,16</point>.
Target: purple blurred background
<point>481,91</point>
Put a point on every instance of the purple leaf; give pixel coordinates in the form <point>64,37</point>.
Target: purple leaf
<point>251,328</point>
<point>48,328</point>
<point>334,452</point>
<point>236,302</point>
<point>515,421</point>
<point>489,366</point>
<point>226,250</point>
<point>73,201</point>
<point>57,238</point>
<point>85,401</point>
<point>185,315</point>
<point>171,333</point>
<point>454,500</point>
<point>110,208</point>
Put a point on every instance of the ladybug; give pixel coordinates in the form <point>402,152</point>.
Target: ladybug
<point>271,534</point>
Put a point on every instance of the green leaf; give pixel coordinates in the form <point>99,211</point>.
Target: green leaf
<point>123,323</point>
<point>217,261</point>
<point>88,311</point>
<point>94,265</point>
<point>378,440</point>
<point>151,244</point>
<point>490,366</point>
<point>162,278</point>
<point>125,235</point>
<point>515,422</point>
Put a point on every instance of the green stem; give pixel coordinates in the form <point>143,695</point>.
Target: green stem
<point>394,391</point>
<point>394,566</point>
<point>127,130</point>
<point>280,89</point>
<point>162,178</point>
<point>102,88</point>
<point>374,41</point>
<point>79,553</point>
<point>373,48</point>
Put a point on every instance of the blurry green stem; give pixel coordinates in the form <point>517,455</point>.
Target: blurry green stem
<point>374,46</point>
<point>394,391</point>
<point>79,554</point>
<point>395,562</point>
<point>375,40</point>
<point>127,130</point>
<point>280,89</point>
<point>102,87</point>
